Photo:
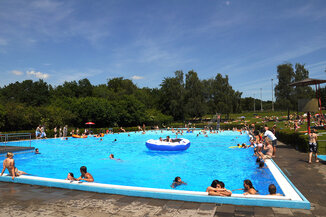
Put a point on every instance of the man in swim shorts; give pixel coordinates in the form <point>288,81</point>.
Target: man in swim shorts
<point>313,145</point>
<point>272,137</point>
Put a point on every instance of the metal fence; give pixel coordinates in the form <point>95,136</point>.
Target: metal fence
<point>16,139</point>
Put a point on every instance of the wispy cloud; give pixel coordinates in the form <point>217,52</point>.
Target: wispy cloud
<point>136,77</point>
<point>16,72</point>
<point>43,20</point>
<point>39,75</point>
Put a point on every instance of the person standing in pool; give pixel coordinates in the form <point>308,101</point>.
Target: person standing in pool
<point>272,190</point>
<point>313,145</point>
<point>272,137</point>
<point>85,176</point>
<point>248,187</point>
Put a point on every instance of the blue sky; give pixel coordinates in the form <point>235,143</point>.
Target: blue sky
<point>147,41</point>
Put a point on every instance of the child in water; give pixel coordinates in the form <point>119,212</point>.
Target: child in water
<point>177,181</point>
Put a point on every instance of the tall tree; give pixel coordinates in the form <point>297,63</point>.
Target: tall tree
<point>194,97</point>
<point>284,92</point>
<point>220,96</point>
<point>172,96</point>
<point>300,74</point>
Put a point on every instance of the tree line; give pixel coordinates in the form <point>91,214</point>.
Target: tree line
<point>119,102</point>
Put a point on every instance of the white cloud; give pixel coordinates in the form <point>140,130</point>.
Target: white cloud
<point>39,75</point>
<point>136,77</point>
<point>16,72</point>
<point>227,3</point>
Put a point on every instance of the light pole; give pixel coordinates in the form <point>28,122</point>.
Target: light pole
<point>254,104</point>
<point>272,96</point>
<point>261,99</point>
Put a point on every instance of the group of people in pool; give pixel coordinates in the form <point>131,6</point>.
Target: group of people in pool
<point>217,188</point>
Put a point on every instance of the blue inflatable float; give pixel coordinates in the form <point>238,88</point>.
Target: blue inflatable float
<point>175,145</point>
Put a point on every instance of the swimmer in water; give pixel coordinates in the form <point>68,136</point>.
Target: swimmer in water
<point>177,181</point>
<point>85,176</point>
<point>112,157</point>
<point>37,151</point>
<point>71,177</point>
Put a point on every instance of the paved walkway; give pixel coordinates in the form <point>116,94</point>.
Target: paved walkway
<point>5,149</point>
<point>26,200</point>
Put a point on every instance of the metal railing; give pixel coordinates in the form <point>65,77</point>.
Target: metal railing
<point>16,139</point>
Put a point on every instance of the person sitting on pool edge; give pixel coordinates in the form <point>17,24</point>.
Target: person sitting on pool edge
<point>217,188</point>
<point>71,177</point>
<point>85,176</point>
<point>9,164</point>
<point>177,181</point>
<point>268,149</point>
<point>272,190</point>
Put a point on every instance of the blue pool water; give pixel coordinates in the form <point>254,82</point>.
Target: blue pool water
<point>208,158</point>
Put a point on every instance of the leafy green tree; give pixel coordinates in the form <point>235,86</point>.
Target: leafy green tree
<point>2,116</point>
<point>28,92</point>
<point>67,89</point>
<point>300,74</point>
<point>284,92</point>
<point>93,109</point>
<point>102,91</point>
<point>122,86</point>
<point>54,116</point>
<point>157,118</point>
<point>220,96</point>
<point>194,96</point>
<point>172,96</point>
<point>85,88</point>
<point>149,97</point>
<point>20,117</point>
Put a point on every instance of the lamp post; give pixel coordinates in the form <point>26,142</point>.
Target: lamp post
<point>254,104</point>
<point>261,99</point>
<point>272,96</point>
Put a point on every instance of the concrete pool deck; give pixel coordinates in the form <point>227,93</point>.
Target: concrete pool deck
<point>26,200</point>
<point>5,149</point>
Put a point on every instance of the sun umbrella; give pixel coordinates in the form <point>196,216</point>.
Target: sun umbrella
<point>242,117</point>
<point>90,123</point>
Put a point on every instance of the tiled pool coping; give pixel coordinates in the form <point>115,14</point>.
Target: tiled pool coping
<point>292,199</point>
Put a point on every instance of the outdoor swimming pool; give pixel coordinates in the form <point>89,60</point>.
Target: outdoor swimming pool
<point>208,158</point>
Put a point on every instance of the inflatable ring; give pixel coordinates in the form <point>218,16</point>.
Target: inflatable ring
<point>78,136</point>
<point>175,145</point>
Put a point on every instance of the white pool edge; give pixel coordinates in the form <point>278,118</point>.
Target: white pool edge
<point>194,196</point>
